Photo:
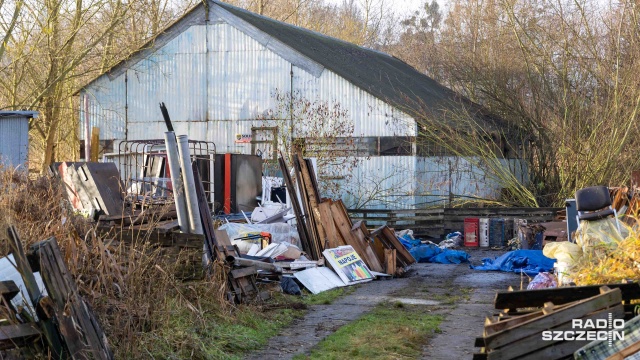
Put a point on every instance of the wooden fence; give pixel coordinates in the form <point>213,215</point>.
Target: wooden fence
<point>436,223</point>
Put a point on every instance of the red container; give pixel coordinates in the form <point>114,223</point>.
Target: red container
<point>471,232</point>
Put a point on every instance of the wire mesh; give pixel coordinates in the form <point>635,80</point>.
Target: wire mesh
<point>145,170</point>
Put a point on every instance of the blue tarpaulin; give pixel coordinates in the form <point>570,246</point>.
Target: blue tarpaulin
<point>531,262</point>
<point>433,254</point>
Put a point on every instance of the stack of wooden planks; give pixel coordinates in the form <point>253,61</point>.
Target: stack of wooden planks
<point>325,223</point>
<point>532,322</point>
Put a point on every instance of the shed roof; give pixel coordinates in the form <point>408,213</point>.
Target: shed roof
<point>382,75</point>
<point>25,113</point>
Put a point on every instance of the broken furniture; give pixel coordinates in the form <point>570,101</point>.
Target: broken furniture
<point>594,203</point>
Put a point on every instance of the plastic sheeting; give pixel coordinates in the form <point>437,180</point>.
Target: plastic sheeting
<point>599,236</point>
<point>531,262</point>
<point>543,280</point>
<point>280,232</point>
<point>563,251</point>
<point>433,254</point>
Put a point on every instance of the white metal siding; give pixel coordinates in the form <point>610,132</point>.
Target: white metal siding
<point>372,116</point>
<point>14,141</point>
<point>243,75</point>
<point>175,75</point>
<point>383,182</point>
<point>107,100</point>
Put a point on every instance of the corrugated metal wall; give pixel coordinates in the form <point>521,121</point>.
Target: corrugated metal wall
<point>217,81</point>
<point>14,141</point>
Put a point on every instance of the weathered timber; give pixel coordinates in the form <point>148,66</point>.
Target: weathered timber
<point>558,296</point>
<point>19,335</point>
<point>78,325</point>
<point>49,329</point>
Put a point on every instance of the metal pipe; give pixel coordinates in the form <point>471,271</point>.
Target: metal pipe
<point>193,211</point>
<point>258,264</point>
<point>87,139</point>
<point>176,180</point>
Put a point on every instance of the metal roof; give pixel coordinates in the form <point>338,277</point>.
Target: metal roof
<point>384,76</point>
<point>25,113</point>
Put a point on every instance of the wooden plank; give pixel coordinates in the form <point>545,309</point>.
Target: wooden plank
<point>507,320</point>
<point>297,210</point>
<point>390,236</point>
<point>95,144</point>
<point>558,296</point>
<point>242,272</point>
<point>51,334</point>
<point>315,240</point>
<point>333,238</point>
<point>626,352</point>
<point>390,261</point>
<point>362,238</point>
<point>13,336</point>
<point>206,219</point>
<point>313,197</point>
<point>79,327</point>
<point>342,224</point>
<point>534,342</point>
<point>574,311</point>
<point>8,289</point>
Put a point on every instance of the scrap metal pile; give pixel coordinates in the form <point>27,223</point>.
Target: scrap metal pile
<point>166,203</point>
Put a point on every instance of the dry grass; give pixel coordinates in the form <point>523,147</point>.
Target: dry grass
<point>143,309</point>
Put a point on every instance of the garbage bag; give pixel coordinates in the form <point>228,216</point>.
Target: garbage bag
<point>543,280</point>
<point>531,262</point>
<point>290,286</point>
<point>453,240</point>
<point>599,236</point>
<point>563,251</point>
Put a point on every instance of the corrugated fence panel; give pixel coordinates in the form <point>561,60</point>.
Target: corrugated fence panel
<point>14,141</point>
<point>372,117</point>
<point>382,182</point>
<point>243,75</point>
<point>465,177</point>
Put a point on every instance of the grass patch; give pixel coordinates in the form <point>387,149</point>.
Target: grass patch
<point>329,296</point>
<point>453,297</point>
<point>387,332</point>
<point>214,335</point>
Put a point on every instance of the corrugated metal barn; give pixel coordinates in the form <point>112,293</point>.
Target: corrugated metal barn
<point>217,69</point>
<point>14,138</point>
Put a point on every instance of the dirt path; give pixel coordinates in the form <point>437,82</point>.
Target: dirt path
<point>462,295</point>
